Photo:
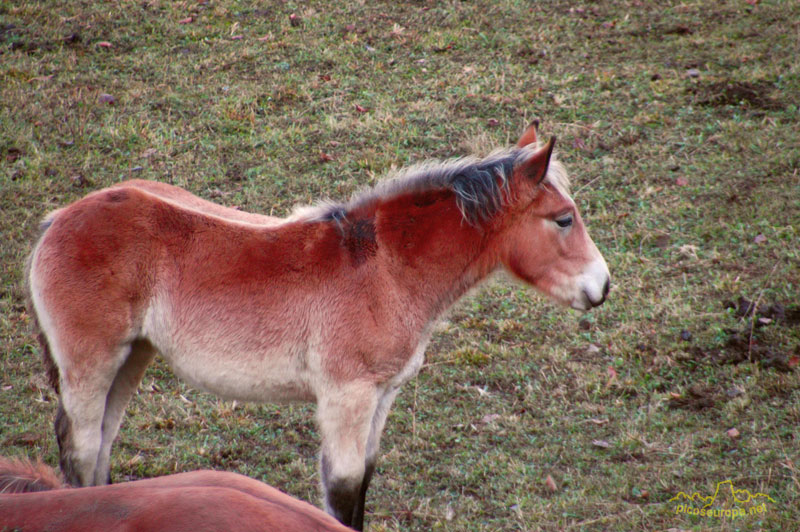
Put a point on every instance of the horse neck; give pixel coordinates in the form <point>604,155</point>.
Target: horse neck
<point>433,252</point>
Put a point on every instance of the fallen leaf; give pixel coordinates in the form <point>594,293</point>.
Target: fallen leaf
<point>24,438</point>
<point>688,251</point>
<point>550,483</point>
<point>361,109</point>
<point>324,77</point>
<point>681,181</point>
<point>793,361</point>
<point>237,37</point>
<point>601,443</point>
<point>599,421</point>
<point>104,44</point>
<point>294,20</point>
<point>612,373</point>
<point>106,98</point>
<point>79,181</point>
<point>325,157</point>
<point>186,20</point>
<point>12,154</point>
<point>265,38</point>
<point>734,392</point>
<point>760,239</point>
<point>733,433</point>
<point>693,73</point>
<point>592,349</point>
<point>488,418</point>
<point>492,122</point>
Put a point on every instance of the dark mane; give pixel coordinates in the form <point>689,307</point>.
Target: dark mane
<point>480,186</point>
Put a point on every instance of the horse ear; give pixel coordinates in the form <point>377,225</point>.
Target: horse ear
<point>535,168</point>
<point>529,137</point>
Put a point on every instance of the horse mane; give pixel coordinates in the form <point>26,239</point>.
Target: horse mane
<point>24,476</point>
<point>480,185</point>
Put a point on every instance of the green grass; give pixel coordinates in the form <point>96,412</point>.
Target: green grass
<point>678,122</point>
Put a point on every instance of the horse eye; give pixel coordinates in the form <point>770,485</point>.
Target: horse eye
<point>566,221</point>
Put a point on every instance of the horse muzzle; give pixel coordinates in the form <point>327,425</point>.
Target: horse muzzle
<point>593,286</point>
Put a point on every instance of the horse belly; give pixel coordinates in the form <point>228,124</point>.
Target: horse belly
<point>273,375</point>
<point>240,370</point>
<point>228,355</point>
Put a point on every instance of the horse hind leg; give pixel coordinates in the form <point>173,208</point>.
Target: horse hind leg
<point>122,389</point>
<point>85,383</point>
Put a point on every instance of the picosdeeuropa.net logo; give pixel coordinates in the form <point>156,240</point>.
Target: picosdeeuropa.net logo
<point>726,502</point>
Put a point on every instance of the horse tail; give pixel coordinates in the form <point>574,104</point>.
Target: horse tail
<point>24,476</point>
<point>50,367</point>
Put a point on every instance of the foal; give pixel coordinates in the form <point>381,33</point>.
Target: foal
<point>33,499</point>
<point>334,304</point>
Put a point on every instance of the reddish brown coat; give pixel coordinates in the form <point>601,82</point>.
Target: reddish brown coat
<point>187,502</point>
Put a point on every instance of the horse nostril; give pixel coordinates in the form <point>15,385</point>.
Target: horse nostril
<point>606,287</point>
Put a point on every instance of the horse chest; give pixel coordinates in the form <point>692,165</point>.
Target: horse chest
<point>414,362</point>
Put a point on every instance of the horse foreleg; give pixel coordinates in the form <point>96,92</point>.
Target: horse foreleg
<point>373,444</point>
<point>345,419</point>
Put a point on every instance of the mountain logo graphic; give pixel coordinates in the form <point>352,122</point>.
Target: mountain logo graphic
<point>742,496</point>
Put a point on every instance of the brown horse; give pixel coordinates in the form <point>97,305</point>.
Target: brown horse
<point>334,304</point>
<point>33,499</point>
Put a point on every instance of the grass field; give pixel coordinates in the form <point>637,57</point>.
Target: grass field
<point>678,122</point>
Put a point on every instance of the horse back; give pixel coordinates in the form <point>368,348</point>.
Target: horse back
<point>188,200</point>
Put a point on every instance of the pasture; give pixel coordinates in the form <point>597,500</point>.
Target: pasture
<point>678,124</point>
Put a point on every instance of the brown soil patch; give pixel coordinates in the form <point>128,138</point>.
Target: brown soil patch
<point>743,345</point>
<point>751,94</point>
<point>697,397</point>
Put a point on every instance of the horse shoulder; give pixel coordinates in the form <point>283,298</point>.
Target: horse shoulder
<point>376,330</point>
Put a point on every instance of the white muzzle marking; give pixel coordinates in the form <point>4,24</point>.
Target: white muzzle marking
<point>592,285</point>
